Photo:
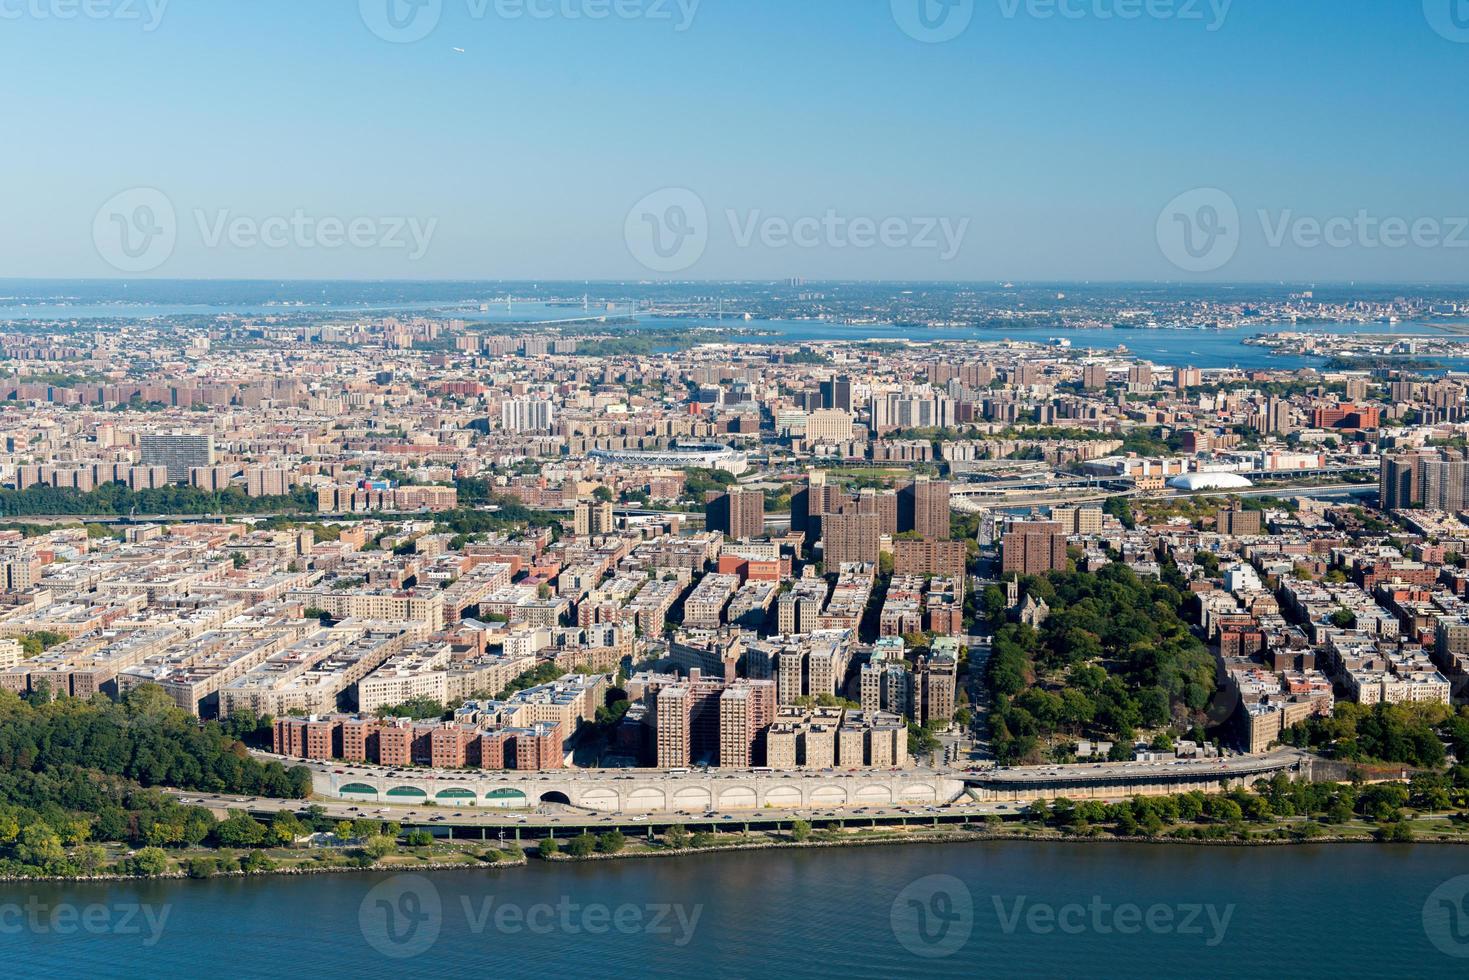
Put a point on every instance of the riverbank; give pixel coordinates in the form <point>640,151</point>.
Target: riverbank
<point>476,856</point>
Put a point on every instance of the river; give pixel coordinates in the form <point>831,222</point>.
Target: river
<point>997,909</point>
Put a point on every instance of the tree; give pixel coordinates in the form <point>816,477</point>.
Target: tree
<point>40,847</point>
<point>549,847</point>
<point>150,862</point>
<point>286,828</point>
<point>800,831</point>
<point>256,863</point>
<point>676,837</point>
<point>611,842</point>
<point>240,830</point>
<point>379,846</point>
<point>581,845</point>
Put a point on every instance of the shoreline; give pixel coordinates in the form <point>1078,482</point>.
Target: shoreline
<point>948,837</point>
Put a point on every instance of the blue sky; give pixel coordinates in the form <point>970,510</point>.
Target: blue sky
<point>1054,142</point>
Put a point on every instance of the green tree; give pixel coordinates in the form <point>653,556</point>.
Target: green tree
<point>150,862</point>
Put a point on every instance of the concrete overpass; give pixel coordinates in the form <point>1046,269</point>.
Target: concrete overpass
<point>694,793</point>
<point>634,790</point>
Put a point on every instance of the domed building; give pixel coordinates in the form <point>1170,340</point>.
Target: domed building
<point>1196,482</point>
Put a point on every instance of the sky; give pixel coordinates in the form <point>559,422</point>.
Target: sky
<point>974,140</point>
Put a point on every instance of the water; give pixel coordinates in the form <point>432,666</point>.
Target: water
<point>1317,911</point>
<point>114,301</point>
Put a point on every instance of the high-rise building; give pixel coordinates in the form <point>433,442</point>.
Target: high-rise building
<point>827,426</point>
<point>1033,548</point>
<point>1238,522</point>
<point>593,517</point>
<point>837,393</point>
<point>266,481</point>
<point>923,506</point>
<point>1400,482</point>
<point>177,453</point>
<point>851,537</point>
<point>1078,520</point>
<point>746,711</point>
<point>934,680</point>
<point>1444,482</point>
<point>739,514</point>
<point>710,720</point>
<point>926,557</point>
<point>527,415</point>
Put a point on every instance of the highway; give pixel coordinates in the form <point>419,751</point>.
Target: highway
<point>1043,781</point>
<point>566,821</point>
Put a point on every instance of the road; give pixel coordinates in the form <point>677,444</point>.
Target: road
<point>535,822</point>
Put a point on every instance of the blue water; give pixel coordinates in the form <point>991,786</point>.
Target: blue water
<point>1004,910</point>
<point>85,300</point>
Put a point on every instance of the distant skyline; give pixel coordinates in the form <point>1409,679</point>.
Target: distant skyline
<point>1042,141</point>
